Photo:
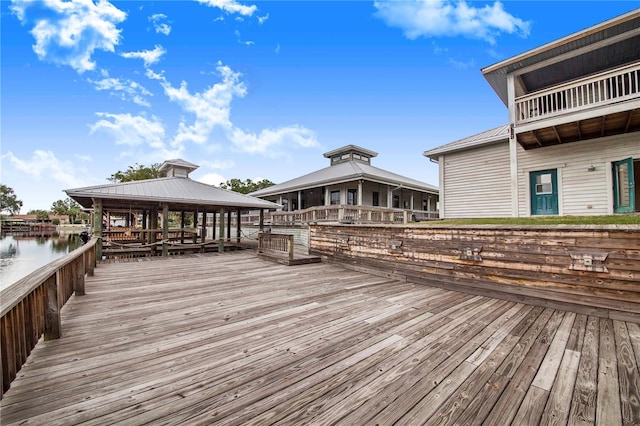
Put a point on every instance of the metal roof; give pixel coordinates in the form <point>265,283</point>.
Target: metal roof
<point>603,46</point>
<point>176,191</point>
<point>344,172</point>
<point>349,148</point>
<point>179,163</point>
<point>495,135</point>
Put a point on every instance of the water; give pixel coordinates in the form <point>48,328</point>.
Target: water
<point>20,255</point>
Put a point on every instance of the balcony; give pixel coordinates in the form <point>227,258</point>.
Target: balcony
<point>600,105</point>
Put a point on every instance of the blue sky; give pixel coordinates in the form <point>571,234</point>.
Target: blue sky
<point>253,90</point>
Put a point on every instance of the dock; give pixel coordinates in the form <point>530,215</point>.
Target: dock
<point>233,339</point>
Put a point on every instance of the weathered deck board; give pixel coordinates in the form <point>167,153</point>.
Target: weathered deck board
<point>232,339</point>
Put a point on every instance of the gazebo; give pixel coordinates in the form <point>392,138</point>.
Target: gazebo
<point>175,192</point>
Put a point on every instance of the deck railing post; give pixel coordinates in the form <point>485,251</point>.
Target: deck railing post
<point>52,323</point>
<point>79,281</point>
<point>290,239</point>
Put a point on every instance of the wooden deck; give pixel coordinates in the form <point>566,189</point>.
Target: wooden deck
<point>233,339</point>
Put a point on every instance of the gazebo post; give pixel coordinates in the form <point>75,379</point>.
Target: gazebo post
<point>221,230</point>
<point>213,228</point>
<point>261,221</point>
<point>97,225</point>
<point>182,227</point>
<point>165,229</point>
<point>194,236</point>
<point>238,228</point>
<point>143,233</point>
<point>204,226</point>
<point>153,228</point>
<point>229,225</point>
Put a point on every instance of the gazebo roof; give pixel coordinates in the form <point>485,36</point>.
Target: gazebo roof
<point>178,192</point>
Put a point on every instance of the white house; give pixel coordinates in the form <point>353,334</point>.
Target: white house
<point>572,142</point>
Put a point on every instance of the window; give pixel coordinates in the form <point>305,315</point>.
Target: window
<point>335,197</point>
<point>376,198</point>
<point>543,184</point>
<point>352,197</point>
<point>396,201</point>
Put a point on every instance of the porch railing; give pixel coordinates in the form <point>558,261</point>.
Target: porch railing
<point>342,214</point>
<point>31,306</point>
<point>598,90</point>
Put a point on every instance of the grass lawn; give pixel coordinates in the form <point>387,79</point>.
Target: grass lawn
<point>618,219</point>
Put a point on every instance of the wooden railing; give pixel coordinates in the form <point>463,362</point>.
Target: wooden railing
<point>276,244</point>
<point>598,90</point>
<point>342,214</point>
<point>139,234</point>
<point>31,306</point>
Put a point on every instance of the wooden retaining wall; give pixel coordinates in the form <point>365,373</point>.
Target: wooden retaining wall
<point>586,269</point>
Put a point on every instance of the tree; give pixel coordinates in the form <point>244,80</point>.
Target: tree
<point>9,201</point>
<point>67,207</point>
<point>136,172</point>
<point>41,215</point>
<point>245,187</point>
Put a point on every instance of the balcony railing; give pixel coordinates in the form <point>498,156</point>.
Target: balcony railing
<point>598,90</point>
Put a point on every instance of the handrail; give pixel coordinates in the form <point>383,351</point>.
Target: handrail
<point>30,307</point>
<point>611,86</point>
<point>280,243</point>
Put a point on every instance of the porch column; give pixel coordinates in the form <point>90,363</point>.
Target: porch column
<point>238,228</point>
<point>299,200</point>
<point>327,196</point>
<point>513,146</point>
<point>97,225</point>
<point>203,226</point>
<point>411,202</point>
<point>359,202</point>
<point>221,232</point>
<point>389,197</point>
<point>165,229</point>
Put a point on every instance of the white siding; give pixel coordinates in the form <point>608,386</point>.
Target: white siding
<point>477,182</point>
<point>581,192</point>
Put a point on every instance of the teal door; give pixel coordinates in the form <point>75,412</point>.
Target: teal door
<point>624,196</point>
<point>544,192</point>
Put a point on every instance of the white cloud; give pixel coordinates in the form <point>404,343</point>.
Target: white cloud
<point>212,110</point>
<point>83,158</point>
<point>462,65</point>
<point>69,32</point>
<point>230,6</point>
<point>127,129</point>
<point>212,179</point>
<point>277,49</point>
<point>211,107</point>
<point>149,57</point>
<point>449,18</point>
<point>219,164</point>
<point>262,19</point>
<point>125,89</point>
<point>268,140</point>
<point>159,26</point>
<point>45,165</point>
